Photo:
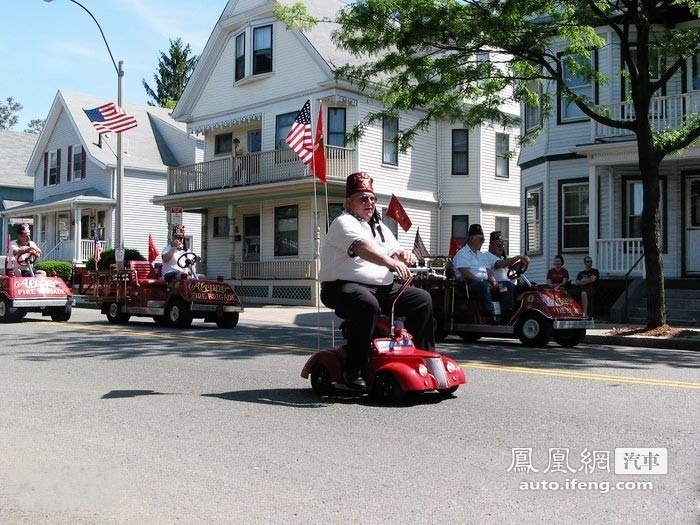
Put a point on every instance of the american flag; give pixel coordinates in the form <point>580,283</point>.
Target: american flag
<point>110,118</point>
<point>299,137</point>
<point>97,251</point>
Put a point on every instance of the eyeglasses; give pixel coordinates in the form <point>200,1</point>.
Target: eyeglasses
<point>368,198</point>
<point>587,261</point>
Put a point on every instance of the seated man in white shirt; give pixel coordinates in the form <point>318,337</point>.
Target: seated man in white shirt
<point>501,262</point>
<point>171,255</point>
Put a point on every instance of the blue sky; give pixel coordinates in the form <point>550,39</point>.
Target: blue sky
<point>51,46</point>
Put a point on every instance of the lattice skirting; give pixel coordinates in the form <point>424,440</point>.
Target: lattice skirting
<point>292,294</point>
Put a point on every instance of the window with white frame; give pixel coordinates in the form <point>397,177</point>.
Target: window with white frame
<point>336,127</point>
<point>334,211</point>
<point>533,112</point>
<point>390,132</point>
<point>460,228</point>
<point>223,144</point>
<point>262,50</point>
<point>286,230</point>
<point>283,123</point>
<point>54,167</point>
<point>575,215</point>
<point>460,152</point>
<point>502,224</point>
<point>695,71</point>
<point>579,84</point>
<point>533,220</point>
<point>502,155</point>
<point>239,73</point>
<point>221,228</point>
<point>633,203</point>
<point>76,162</point>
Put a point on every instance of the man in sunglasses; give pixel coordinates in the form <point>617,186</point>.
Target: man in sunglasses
<point>585,283</point>
<point>359,258</point>
<point>172,253</point>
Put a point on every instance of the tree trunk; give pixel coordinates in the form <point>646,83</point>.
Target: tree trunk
<point>651,238</point>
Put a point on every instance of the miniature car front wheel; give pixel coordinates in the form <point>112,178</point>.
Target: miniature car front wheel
<point>61,313</point>
<point>179,314</point>
<point>569,338</point>
<point>227,320</point>
<point>386,389</point>
<point>321,382</point>
<point>115,315</point>
<point>447,392</point>
<point>7,313</point>
<point>534,329</point>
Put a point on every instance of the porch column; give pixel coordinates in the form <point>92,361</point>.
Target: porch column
<point>77,255</point>
<point>593,217</point>
<point>38,238</point>
<point>231,241</point>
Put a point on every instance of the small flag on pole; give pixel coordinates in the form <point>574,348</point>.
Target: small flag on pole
<point>152,250</point>
<point>299,136</point>
<point>396,212</point>
<point>110,118</point>
<point>318,161</point>
<point>455,246</point>
<point>97,250</point>
<point>419,249</point>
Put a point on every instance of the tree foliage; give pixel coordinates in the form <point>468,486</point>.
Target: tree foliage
<point>426,54</point>
<point>8,110</point>
<point>174,70</point>
<point>35,125</point>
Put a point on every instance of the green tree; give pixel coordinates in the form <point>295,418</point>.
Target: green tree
<point>7,113</point>
<point>174,70</point>
<point>423,54</point>
<point>35,125</point>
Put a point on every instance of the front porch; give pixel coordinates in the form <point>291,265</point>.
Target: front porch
<point>257,168</point>
<point>66,250</point>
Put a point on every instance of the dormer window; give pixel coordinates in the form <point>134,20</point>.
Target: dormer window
<point>257,61</point>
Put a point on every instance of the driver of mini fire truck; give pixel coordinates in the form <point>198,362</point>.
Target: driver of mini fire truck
<point>358,256</point>
<point>24,245</point>
<point>172,253</point>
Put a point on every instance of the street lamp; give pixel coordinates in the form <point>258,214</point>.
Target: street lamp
<point>119,217</point>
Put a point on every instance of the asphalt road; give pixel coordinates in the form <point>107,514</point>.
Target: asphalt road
<point>139,424</point>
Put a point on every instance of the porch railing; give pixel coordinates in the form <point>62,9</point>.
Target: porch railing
<point>64,250</point>
<point>617,256</point>
<point>255,168</point>
<point>274,270</point>
<point>665,112</point>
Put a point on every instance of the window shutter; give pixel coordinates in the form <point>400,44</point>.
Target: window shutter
<point>83,159</point>
<point>70,164</point>
<point>46,168</point>
<point>58,166</point>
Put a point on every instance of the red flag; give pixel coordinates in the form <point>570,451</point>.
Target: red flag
<point>299,136</point>
<point>152,250</point>
<point>455,246</point>
<point>110,118</point>
<point>318,161</point>
<point>396,212</point>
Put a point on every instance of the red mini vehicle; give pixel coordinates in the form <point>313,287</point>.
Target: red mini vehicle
<point>541,313</point>
<point>396,367</point>
<point>141,291</point>
<point>49,296</point>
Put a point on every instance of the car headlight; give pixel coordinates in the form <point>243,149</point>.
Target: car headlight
<point>451,367</point>
<point>422,370</point>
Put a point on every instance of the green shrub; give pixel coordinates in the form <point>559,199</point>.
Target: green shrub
<point>63,269</point>
<point>108,258</point>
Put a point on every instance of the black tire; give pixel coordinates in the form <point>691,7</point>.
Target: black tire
<point>321,382</point>
<point>7,313</point>
<point>447,392</point>
<point>534,329</point>
<point>115,315</point>
<point>386,389</point>
<point>160,320</point>
<point>179,314</point>
<point>469,337</point>
<point>569,338</point>
<point>61,314</point>
<point>227,320</point>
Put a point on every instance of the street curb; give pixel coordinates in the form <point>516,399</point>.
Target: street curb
<point>692,343</point>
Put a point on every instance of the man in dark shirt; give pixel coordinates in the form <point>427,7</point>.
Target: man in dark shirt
<point>585,282</point>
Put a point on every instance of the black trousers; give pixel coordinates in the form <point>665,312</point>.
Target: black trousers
<point>362,303</point>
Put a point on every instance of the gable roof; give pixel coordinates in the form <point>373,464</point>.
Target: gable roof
<point>234,17</point>
<point>15,149</point>
<point>145,146</point>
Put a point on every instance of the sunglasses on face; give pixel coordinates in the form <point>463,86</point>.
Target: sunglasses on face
<point>588,261</point>
<point>368,198</point>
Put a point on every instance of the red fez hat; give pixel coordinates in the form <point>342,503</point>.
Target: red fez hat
<point>359,181</point>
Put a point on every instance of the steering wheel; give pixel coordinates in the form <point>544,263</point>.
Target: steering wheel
<point>187,259</point>
<point>27,258</point>
<point>515,272</point>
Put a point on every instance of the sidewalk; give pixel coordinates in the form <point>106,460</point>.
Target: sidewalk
<point>602,333</point>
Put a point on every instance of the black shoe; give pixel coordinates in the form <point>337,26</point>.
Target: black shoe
<point>491,320</point>
<point>353,379</point>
